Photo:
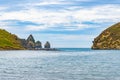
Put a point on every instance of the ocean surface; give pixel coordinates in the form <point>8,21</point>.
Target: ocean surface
<point>65,64</point>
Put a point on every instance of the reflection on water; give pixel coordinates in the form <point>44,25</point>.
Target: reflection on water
<point>60,65</point>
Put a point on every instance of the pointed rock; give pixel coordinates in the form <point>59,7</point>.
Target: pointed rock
<point>30,42</point>
<point>31,38</point>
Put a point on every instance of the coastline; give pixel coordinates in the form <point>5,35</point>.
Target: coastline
<point>41,49</point>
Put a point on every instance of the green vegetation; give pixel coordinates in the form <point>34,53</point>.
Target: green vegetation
<point>108,39</point>
<point>9,41</point>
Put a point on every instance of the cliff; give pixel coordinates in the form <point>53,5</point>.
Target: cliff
<point>9,41</point>
<point>108,39</point>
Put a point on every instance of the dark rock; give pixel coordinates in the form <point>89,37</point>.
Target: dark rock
<point>38,45</point>
<point>47,45</point>
<point>23,43</point>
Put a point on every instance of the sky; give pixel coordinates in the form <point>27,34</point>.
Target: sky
<point>64,23</point>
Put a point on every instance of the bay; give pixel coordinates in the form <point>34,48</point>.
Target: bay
<point>65,64</point>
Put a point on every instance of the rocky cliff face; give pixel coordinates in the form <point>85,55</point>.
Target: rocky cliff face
<point>108,39</point>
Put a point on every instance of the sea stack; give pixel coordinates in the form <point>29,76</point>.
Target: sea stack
<point>108,39</point>
<point>30,42</point>
<point>38,45</point>
<point>47,45</point>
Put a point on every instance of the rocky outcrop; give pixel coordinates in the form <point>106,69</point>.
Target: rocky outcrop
<point>108,39</point>
<point>23,43</point>
<point>47,45</point>
<point>30,44</point>
<point>38,45</point>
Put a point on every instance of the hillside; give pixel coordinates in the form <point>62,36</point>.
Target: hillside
<point>9,41</point>
<point>108,39</point>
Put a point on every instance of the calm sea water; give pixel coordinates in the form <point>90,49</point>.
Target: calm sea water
<point>66,64</point>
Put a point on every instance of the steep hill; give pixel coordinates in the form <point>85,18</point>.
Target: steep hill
<point>108,39</point>
<point>9,41</point>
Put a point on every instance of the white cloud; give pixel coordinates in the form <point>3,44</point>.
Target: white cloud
<point>75,37</point>
<point>3,25</point>
<point>54,2</point>
<point>35,28</point>
<point>48,3</point>
<point>65,18</point>
<point>106,13</point>
<point>2,8</point>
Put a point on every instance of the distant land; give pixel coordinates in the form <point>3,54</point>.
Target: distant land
<point>10,41</point>
<point>108,39</point>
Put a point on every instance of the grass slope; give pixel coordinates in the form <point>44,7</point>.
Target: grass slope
<point>9,41</point>
<point>109,38</point>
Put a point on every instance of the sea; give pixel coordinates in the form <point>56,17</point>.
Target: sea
<point>63,64</point>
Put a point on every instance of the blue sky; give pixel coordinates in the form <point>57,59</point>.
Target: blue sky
<point>65,23</point>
